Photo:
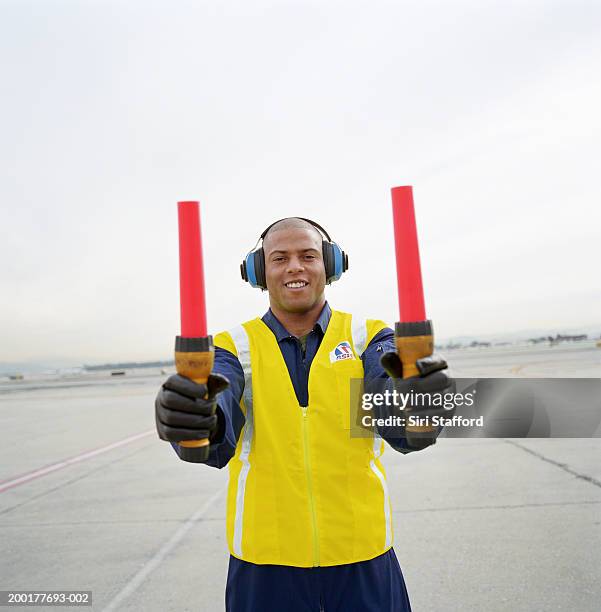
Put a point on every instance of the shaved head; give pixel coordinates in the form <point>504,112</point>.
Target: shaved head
<point>292,223</point>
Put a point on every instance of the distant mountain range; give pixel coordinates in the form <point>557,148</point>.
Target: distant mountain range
<point>38,367</point>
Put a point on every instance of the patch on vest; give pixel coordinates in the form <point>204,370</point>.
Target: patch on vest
<point>341,352</point>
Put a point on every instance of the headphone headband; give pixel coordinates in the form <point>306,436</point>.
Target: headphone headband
<point>313,223</point>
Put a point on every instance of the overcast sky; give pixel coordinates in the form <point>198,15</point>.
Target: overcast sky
<point>112,111</point>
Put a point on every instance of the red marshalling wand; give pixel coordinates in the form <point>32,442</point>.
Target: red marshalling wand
<point>413,333</point>
<point>194,350</point>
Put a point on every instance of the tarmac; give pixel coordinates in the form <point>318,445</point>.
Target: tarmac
<point>91,500</point>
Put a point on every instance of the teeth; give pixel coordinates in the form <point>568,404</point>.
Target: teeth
<point>296,284</point>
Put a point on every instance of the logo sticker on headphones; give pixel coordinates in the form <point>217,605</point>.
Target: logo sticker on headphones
<point>341,352</point>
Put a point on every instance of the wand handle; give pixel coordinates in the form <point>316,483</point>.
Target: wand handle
<point>413,341</point>
<point>194,359</point>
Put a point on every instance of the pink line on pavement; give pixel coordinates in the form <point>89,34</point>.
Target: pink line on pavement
<point>53,467</point>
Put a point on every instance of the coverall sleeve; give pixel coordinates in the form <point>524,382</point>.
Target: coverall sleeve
<point>374,373</point>
<point>229,414</point>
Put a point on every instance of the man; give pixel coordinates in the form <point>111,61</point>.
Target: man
<point>308,515</point>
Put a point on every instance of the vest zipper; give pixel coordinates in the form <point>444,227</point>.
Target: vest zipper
<point>310,486</point>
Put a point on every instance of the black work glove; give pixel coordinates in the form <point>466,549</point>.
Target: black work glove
<point>431,380</point>
<point>185,410</point>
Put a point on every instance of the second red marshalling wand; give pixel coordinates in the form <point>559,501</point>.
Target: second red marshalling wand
<point>413,333</point>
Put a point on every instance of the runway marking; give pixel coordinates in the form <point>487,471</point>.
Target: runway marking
<point>67,483</point>
<point>134,583</point>
<point>53,467</point>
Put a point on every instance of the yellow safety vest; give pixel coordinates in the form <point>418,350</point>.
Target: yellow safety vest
<point>301,491</point>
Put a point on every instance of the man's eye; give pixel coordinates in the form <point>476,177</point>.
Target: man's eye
<point>278,259</point>
<point>309,256</point>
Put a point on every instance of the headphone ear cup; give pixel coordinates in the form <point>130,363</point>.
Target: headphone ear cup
<point>339,262</point>
<point>252,269</point>
<point>328,260</point>
<point>259,257</point>
<point>335,261</point>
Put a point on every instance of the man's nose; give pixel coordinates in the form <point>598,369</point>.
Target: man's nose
<point>295,264</point>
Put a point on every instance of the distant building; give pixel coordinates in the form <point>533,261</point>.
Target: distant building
<point>558,338</point>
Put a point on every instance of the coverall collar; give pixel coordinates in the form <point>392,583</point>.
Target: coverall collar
<point>281,333</point>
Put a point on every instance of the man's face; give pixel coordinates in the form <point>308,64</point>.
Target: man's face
<point>294,269</point>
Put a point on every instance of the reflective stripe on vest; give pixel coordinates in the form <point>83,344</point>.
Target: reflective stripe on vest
<point>387,513</point>
<point>240,339</point>
<point>359,333</point>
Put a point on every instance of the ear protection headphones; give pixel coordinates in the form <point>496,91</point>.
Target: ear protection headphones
<point>335,259</point>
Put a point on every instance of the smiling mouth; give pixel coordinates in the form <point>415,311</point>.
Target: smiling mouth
<point>296,284</point>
